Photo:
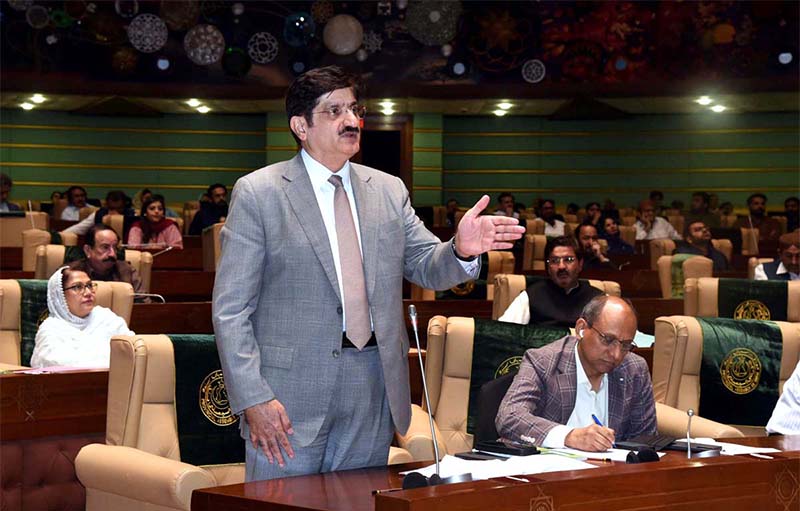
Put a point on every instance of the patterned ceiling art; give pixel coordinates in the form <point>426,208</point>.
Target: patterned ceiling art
<point>521,42</point>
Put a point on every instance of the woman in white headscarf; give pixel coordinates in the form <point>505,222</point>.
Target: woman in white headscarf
<point>77,332</point>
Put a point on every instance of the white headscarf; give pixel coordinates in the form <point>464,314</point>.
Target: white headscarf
<point>57,301</point>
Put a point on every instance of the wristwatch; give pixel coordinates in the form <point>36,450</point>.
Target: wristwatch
<point>465,259</point>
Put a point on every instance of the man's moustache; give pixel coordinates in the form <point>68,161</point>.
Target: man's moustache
<point>350,129</point>
<point>110,260</point>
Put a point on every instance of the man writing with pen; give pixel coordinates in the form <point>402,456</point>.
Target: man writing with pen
<point>586,391</point>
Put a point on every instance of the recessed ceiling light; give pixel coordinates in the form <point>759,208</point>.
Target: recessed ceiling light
<point>500,113</point>
<point>28,106</point>
<point>194,103</point>
<point>386,104</point>
<point>163,63</point>
<point>387,111</point>
<point>718,108</point>
<point>38,98</point>
<point>785,58</point>
<point>703,100</point>
<point>505,105</point>
<point>203,109</point>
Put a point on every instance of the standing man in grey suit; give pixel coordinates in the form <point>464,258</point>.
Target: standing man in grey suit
<point>564,389</point>
<point>308,309</point>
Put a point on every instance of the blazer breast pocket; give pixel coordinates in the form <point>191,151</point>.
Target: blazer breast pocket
<point>277,356</point>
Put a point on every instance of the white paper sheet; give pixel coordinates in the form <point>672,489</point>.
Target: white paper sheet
<point>729,449</point>
<point>515,465</point>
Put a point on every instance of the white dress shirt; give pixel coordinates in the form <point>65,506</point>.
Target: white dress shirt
<point>71,213</point>
<point>557,229</point>
<point>82,227</point>
<point>760,274</point>
<point>661,230</point>
<point>323,191</point>
<point>786,416</point>
<point>587,403</point>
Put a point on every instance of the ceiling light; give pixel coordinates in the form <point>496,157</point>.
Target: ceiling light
<point>785,58</point>
<point>703,100</point>
<point>387,111</point>
<point>386,104</point>
<point>718,108</point>
<point>28,106</point>
<point>203,109</point>
<point>163,63</point>
<point>38,98</point>
<point>500,113</point>
<point>505,105</point>
<point>194,103</point>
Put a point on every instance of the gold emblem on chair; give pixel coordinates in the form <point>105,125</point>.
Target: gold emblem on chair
<point>214,400</point>
<point>751,309</point>
<point>464,288</point>
<point>740,371</point>
<point>508,365</point>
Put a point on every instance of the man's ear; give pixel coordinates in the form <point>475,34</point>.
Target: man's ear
<point>298,125</point>
<point>86,250</point>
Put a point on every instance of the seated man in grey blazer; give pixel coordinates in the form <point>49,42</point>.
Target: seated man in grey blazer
<point>583,392</point>
<point>308,304</point>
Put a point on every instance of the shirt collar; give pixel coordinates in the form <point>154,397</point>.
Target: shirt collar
<point>782,269</point>
<point>581,378</point>
<point>319,173</point>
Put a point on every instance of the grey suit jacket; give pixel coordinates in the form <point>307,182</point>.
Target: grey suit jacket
<point>542,395</point>
<point>276,307</point>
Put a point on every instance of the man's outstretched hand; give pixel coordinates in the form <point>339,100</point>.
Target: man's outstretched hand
<point>478,233</point>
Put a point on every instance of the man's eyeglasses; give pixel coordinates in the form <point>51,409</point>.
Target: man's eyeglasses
<point>335,111</point>
<point>80,287</point>
<point>624,346</point>
<point>556,260</point>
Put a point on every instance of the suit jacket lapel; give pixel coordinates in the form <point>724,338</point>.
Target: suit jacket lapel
<point>368,207</point>
<point>566,381</point>
<point>298,189</point>
<point>616,399</point>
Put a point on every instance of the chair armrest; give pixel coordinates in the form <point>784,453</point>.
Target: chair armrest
<point>417,440</point>
<point>398,455</point>
<point>672,421</point>
<point>140,476</point>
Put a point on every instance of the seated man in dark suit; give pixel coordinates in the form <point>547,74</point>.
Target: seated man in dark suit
<point>787,266</point>
<point>593,256</point>
<point>583,392</point>
<point>212,211</point>
<point>697,241</point>
<point>559,299</point>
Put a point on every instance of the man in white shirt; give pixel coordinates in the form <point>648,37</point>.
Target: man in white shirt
<point>583,392</point>
<point>552,225</point>
<point>76,195</point>
<point>505,205</point>
<point>785,418</point>
<point>652,227</point>
<point>787,267</point>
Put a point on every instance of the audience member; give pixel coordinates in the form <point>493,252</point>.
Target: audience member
<point>559,299</point>
<point>5,190</point>
<point>77,332</point>
<point>791,208</point>
<point>572,208</point>
<point>76,198</point>
<point>610,233</point>
<point>146,194</point>
<point>677,205</point>
<point>610,209</point>
<point>699,210</point>
<point>657,198</point>
<point>785,418</point>
<point>768,227</point>
<point>726,209</point>
<point>116,203</point>
<point>505,205</point>
<point>593,257</point>
<point>652,227</point>
<point>697,241</point>
<point>787,266</point>
<point>586,391</point>
<point>101,263</point>
<point>593,215</point>
<point>452,209</point>
<point>713,204</point>
<point>153,230</point>
<point>212,211</point>
<point>552,225</point>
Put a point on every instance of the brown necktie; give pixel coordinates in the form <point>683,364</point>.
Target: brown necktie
<point>356,305</point>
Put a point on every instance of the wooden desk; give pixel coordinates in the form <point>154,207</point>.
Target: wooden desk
<point>726,483</point>
<point>182,285</point>
<point>190,258</point>
<point>10,258</point>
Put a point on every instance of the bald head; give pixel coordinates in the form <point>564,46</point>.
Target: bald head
<point>605,309</point>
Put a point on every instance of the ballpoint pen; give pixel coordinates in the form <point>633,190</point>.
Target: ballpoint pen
<point>597,421</point>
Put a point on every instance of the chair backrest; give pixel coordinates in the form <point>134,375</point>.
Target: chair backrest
<point>700,298</point>
<point>142,262</point>
<point>627,220</point>
<point>725,247</point>
<point>51,257</point>
<point>665,247</point>
<point>489,398</point>
<point>677,357</point>
<point>533,251</point>
<point>499,261</point>
<point>753,262</point>
<point>571,219</point>
<point>677,222</point>
<point>58,207</point>
<point>12,227</point>
<point>86,211</point>
<point>186,219</point>
<point>116,222</point>
<point>749,241</point>
<point>727,221</point>
<point>628,234</point>
<point>694,267</point>
<point>211,246</point>
<point>32,239</point>
<point>507,287</point>
<point>117,296</point>
<point>440,216</point>
<point>569,228</point>
<point>535,226</point>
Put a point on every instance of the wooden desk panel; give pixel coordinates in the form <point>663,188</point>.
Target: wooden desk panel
<point>40,405</point>
<point>712,484</point>
<point>190,258</point>
<point>182,285</point>
<point>10,258</point>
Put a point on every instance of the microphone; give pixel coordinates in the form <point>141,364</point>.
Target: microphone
<point>149,295</point>
<point>415,479</point>
<point>690,413</point>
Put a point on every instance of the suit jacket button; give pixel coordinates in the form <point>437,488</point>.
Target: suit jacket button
<point>335,353</point>
<point>339,309</point>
